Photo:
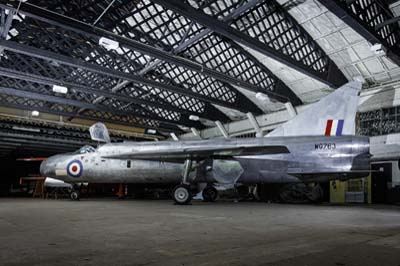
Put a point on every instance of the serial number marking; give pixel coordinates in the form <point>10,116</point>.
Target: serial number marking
<point>325,146</point>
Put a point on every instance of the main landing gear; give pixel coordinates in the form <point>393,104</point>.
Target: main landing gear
<point>210,193</point>
<point>182,193</point>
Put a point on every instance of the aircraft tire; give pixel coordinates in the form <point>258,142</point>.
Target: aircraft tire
<point>182,194</point>
<point>210,194</point>
<point>74,195</point>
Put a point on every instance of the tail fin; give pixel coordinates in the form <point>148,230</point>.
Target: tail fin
<point>333,115</point>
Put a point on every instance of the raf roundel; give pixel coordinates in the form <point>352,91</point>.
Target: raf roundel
<point>75,168</point>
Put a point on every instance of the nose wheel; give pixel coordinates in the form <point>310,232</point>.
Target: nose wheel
<point>74,195</point>
<point>182,194</point>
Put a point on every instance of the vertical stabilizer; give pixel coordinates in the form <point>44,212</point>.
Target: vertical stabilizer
<point>333,115</point>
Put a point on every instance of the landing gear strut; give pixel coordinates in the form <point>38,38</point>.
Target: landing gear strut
<point>210,193</point>
<point>182,193</point>
<point>75,195</point>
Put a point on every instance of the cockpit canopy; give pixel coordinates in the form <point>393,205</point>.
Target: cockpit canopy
<point>85,149</point>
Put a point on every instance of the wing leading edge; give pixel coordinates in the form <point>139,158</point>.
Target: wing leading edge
<point>200,153</point>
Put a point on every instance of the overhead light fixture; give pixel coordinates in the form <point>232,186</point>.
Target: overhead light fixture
<point>359,79</point>
<point>35,113</point>
<point>186,129</point>
<point>108,43</point>
<point>60,89</point>
<point>378,49</point>
<point>262,97</point>
<point>194,118</point>
<point>151,131</point>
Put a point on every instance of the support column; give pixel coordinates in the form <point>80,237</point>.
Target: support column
<point>222,129</point>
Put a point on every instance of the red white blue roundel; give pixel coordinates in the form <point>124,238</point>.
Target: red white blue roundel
<point>74,168</point>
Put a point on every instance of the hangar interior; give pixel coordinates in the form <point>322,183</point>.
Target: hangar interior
<point>156,70</point>
<point>180,70</point>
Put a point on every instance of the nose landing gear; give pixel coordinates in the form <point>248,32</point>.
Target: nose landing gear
<point>74,194</point>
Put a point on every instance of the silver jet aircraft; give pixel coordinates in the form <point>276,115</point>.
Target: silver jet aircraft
<point>316,145</point>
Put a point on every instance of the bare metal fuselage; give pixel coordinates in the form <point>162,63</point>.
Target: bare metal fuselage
<point>310,158</point>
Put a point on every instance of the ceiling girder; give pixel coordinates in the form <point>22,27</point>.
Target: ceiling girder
<point>7,132</point>
<point>280,91</point>
<point>371,19</point>
<point>73,62</point>
<point>80,104</point>
<point>6,21</point>
<point>121,120</point>
<point>40,140</point>
<point>96,33</point>
<point>59,131</point>
<point>86,89</point>
<point>332,76</point>
<point>10,146</point>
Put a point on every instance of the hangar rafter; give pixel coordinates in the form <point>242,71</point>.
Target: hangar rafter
<point>90,69</point>
<point>54,39</point>
<point>203,46</point>
<point>133,48</point>
<point>36,91</point>
<point>70,111</point>
<point>62,132</point>
<point>268,29</point>
<point>122,95</point>
<point>373,20</point>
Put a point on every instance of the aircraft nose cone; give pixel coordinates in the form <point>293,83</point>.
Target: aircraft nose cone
<point>43,168</point>
<point>47,167</point>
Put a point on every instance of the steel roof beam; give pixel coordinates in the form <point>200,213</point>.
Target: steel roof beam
<point>6,21</point>
<point>186,43</point>
<point>41,138</point>
<point>73,62</point>
<point>334,77</point>
<point>86,89</point>
<point>46,143</point>
<point>162,127</point>
<point>95,32</point>
<point>79,104</point>
<point>62,129</point>
<point>357,16</point>
<point>280,89</point>
<point>11,146</point>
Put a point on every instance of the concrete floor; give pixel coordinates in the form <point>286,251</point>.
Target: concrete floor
<point>112,232</point>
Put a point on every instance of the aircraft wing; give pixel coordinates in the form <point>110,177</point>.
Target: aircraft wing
<point>179,154</point>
